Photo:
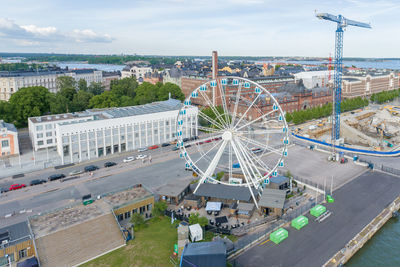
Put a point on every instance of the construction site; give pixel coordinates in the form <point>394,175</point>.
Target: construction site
<point>376,129</point>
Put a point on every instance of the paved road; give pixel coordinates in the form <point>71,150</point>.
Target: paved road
<point>356,204</point>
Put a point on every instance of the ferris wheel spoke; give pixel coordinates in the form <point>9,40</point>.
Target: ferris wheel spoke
<point>230,160</point>
<point>208,129</point>
<point>203,155</point>
<point>253,167</point>
<point>236,104</point>
<point>253,121</point>
<point>210,120</point>
<point>254,157</point>
<point>213,164</point>
<point>210,104</point>
<point>260,145</point>
<point>223,100</point>
<point>246,172</point>
<point>244,114</point>
<point>263,131</point>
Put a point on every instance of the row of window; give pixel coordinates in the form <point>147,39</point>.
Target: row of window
<point>141,210</point>
<point>48,141</point>
<point>48,134</point>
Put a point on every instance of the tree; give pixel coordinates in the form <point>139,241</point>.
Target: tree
<point>194,218</point>
<point>289,117</point>
<point>167,88</point>
<point>203,221</point>
<point>81,100</point>
<point>105,100</point>
<point>82,85</point>
<point>124,87</point>
<point>6,111</point>
<point>59,104</point>
<point>137,220</point>
<point>145,93</point>
<point>29,102</point>
<point>214,115</point>
<point>64,82</point>
<point>126,101</point>
<point>96,88</point>
<point>159,208</point>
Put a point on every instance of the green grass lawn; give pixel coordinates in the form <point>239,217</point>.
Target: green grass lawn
<point>152,246</point>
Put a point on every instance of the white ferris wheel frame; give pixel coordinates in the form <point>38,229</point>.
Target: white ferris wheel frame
<point>229,133</point>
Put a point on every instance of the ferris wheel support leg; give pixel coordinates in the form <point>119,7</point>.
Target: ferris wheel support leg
<point>246,172</point>
<point>213,164</point>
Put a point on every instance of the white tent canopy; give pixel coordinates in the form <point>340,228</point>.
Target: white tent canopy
<point>213,206</point>
<point>196,232</point>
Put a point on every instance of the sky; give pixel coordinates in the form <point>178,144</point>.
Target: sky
<point>197,27</point>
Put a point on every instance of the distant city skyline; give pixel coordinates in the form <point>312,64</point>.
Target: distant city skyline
<point>183,27</point>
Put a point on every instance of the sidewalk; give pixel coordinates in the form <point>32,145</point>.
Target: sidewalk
<point>29,162</point>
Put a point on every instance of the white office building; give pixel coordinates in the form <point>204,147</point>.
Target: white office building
<point>89,75</point>
<point>312,79</point>
<point>42,130</point>
<point>134,70</point>
<point>99,132</point>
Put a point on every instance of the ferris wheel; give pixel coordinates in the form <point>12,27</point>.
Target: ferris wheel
<point>240,135</point>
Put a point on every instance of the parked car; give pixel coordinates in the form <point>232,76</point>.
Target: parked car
<point>91,168</point>
<point>16,186</point>
<point>37,181</point>
<point>128,159</point>
<point>76,172</point>
<point>153,147</point>
<point>207,141</point>
<point>187,146</point>
<point>56,177</point>
<point>141,156</point>
<point>174,142</point>
<point>256,150</point>
<point>143,149</point>
<point>185,139</point>
<point>165,144</point>
<point>109,164</point>
<point>3,190</point>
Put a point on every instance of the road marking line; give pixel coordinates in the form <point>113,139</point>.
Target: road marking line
<point>264,242</point>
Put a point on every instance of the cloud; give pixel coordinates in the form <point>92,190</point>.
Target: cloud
<point>90,36</point>
<point>34,34</point>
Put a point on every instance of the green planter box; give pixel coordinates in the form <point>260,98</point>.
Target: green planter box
<point>329,199</point>
<point>317,210</point>
<point>299,222</point>
<point>279,235</point>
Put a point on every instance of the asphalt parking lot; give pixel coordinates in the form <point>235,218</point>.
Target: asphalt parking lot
<point>314,166</point>
<point>356,204</point>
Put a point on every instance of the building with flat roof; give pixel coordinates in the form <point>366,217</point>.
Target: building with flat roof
<point>272,201</point>
<point>224,193</point>
<point>114,130</point>
<point>97,132</point>
<point>8,139</point>
<point>174,191</point>
<point>16,243</point>
<point>89,75</point>
<point>125,203</point>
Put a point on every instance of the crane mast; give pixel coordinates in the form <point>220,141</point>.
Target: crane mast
<point>342,23</point>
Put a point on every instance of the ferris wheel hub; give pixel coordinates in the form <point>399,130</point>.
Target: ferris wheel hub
<point>227,136</point>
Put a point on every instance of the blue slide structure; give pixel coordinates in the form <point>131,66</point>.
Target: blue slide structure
<point>351,150</point>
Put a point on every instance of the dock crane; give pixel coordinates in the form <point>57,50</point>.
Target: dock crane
<point>342,23</point>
